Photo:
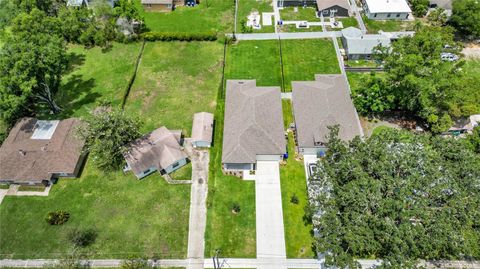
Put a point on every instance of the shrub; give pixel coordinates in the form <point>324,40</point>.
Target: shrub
<point>236,208</point>
<point>82,238</point>
<point>166,36</point>
<point>57,217</point>
<point>135,264</point>
<point>294,199</point>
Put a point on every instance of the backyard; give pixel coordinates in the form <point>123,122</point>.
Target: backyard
<point>301,14</point>
<point>232,233</point>
<point>298,237</point>
<point>245,7</point>
<point>216,17</point>
<point>131,218</point>
<point>373,26</point>
<point>174,81</point>
<point>302,59</point>
<point>258,60</point>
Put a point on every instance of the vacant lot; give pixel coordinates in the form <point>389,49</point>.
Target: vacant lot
<point>298,237</point>
<point>175,80</point>
<point>302,59</point>
<point>231,233</point>
<point>258,60</point>
<point>131,218</point>
<point>302,14</point>
<point>96,75</point>
<point>217,17</point>
<point>245,7</point>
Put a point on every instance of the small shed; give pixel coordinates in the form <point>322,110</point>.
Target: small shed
<point>202,130</point>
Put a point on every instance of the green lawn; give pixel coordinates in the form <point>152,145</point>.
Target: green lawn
<point>302,59</point>
<point>175,80</point>
<point>218,17</point>
<point>96,75</point>
<point>258,60</point>
<point>183,173</point>
<point>233,234</point>
<point>245,7</point>
<point>349,22</point>
<point>292,28</point>
<point>303,14</point>
<point>373,26</point>
<point>132,218</point>
<point>298,237</point>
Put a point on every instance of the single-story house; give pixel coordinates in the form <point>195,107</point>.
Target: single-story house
<point>158,5</point>
<point>160,150</point>
<point>333,8</point>
<point>296,3</point>
<point>358,45</point>
<point>387,9</point>
<point>253,128</point>
<point>319,104</point>
<point>40,151</point>
<point>202,130</point>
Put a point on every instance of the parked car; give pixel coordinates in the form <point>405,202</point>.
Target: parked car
<point>449,57</point>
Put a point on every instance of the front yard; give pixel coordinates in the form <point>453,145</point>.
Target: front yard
<point>298,230</point>
<point>302,14</point>
<point>131,218</point>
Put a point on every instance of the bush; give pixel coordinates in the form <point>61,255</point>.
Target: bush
<point>166,36</point>
<point>82,238</point>
<point>135,264</point>
<point>294,199</point>
<point>236,208</point>
<point>57,217</point>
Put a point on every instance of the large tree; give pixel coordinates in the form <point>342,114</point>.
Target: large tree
<point>466,17</point>
<point>32,61</point>
<point>398,197</point>
<point>108,134</point>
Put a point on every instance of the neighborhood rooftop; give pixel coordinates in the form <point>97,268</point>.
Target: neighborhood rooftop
<point>328,4</point>
<point>253,122</point>
<point>388,6</point>
<point>36,151</point>
<point>157,150</point>
<point>157,2</point>
<point>322,103</point>
<point>359,43</point>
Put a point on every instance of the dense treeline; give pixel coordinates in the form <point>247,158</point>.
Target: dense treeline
<point>420,82</point>
<point>399,197</point>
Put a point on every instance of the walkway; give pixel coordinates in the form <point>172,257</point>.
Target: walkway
<point>198,210</point>
<point>299,35</point>
<point>269,216</point>
<point>356,10</point>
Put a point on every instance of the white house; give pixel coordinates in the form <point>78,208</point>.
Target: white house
<point>387,9</point>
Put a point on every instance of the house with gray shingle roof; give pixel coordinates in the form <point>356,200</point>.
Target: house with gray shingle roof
<point>358,45</point>
<point>319,104</point>
<point>253,128</point>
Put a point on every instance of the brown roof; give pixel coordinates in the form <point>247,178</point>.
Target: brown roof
<point>202,129</point>
<point>253,122</point>
<point>326,4</point>
<point>160,149</point>
<point>157,2</point>
<point>322,103</point>
<point>24,158</point>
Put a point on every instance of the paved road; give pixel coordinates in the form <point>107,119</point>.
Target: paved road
<point>198,210</point>
<point>269,216</point>
<point>300,35</point>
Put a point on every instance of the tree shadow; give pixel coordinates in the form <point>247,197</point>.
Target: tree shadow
<point>70,92</point>
<point>74,60</point>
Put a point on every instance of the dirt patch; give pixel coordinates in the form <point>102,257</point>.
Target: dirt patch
<point>396,120</point>
<point>471,51</point>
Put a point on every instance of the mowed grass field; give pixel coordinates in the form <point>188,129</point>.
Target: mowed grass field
<point>233,234</point>
<point>217,17</point>
<point>131,218</point>
<point>96,75</point>
<point>302,59</point>
<point>245,7</point>
<point>298,231</point>
<point>174,81</point>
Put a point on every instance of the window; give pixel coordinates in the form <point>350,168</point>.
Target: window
<point>146,171</point>
<point>175,165</point>
<point>389,15</point>
<point>149,5</point>
<point>398,15</point>
<point>375,15</point>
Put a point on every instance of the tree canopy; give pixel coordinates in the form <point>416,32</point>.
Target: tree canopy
<point>108,134</point>
<point>466,17</point>
<point>399,197</point>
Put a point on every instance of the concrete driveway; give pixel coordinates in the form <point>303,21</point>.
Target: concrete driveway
<point>270,230</point>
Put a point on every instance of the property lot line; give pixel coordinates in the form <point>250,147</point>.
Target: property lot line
<point>275,36</point>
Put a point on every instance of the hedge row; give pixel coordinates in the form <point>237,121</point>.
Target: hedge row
<point>165,36</point>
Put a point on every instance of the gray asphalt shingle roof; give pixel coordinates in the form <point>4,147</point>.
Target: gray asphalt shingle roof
<point>322,103</point>
<point>253,122</point>
<point>325,4</point>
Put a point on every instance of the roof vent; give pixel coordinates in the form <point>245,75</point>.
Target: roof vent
<point>240,82</point>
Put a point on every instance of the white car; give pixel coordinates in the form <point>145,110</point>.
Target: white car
<point>449,57</point>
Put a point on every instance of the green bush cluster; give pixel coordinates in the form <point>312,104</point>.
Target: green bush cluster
<point>57,217</point>
<point>166,36</point>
